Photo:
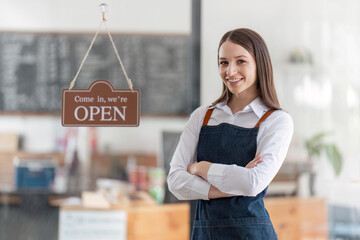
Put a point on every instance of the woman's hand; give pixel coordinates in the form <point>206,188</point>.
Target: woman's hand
<point>216,193</point>
<point>199,168</point>
<point>253,163</point>
<point>192,168</point>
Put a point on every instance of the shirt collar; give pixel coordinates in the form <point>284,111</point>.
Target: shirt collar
<point>257,106</point>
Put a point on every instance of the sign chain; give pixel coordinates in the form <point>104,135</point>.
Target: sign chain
<point>115,49</point>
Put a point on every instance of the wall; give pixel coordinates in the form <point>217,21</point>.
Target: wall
<point>42,133</point>
<point>142,16</point>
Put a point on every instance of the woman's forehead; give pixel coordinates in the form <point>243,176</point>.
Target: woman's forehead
<point>230,49</point>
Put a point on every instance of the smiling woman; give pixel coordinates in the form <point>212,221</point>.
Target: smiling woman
<point>230,151</point>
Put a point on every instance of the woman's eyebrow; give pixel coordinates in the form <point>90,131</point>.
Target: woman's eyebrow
<point>241,56</point>
<point>234,57</point>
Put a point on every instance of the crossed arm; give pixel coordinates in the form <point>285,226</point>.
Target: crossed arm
<point>201,169</point>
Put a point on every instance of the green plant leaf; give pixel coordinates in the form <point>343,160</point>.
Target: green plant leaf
<point>318,137</point>
<point>334,157</point>
<point>314,149</point>
<point>315,146</point>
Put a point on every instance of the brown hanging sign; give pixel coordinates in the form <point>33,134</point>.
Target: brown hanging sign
<point>101,105</point>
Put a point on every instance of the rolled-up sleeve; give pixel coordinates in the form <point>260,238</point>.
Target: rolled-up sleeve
<point>182,184</point>
<point>273,142</point>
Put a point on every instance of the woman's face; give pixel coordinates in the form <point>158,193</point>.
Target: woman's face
<point>237,68</point>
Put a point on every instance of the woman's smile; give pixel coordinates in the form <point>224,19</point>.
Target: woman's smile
<point>234,80</point>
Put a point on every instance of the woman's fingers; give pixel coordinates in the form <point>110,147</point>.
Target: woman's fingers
<point>257,157</point>
<point>192,168</point>
<point>255,161</point>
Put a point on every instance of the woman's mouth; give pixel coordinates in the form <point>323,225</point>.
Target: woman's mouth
<point>234,80</point>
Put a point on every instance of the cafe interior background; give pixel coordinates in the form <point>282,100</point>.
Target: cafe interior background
<point>314,47</point>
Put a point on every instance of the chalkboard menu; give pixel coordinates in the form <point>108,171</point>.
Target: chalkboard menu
<point>34,68</point>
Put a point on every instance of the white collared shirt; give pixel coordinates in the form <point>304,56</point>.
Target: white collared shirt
<point>273,141</point>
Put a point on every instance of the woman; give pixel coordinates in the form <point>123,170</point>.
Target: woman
<point>230,151</point>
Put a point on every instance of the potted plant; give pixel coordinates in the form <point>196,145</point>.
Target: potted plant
<point>317,145</point>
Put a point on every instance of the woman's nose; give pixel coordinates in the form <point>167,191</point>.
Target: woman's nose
<point>231,70</point>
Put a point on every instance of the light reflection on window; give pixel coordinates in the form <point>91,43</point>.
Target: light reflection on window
<point>352,98</point>
<point>315,93</point>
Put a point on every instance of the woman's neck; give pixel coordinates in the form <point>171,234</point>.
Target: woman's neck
<point>240,101</point>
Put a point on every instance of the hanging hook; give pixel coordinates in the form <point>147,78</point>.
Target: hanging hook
<point>103,8</point>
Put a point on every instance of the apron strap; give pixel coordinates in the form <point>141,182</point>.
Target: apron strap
<point>264,117</point>
<point>207,116</point>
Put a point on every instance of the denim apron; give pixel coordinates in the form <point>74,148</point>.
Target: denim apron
<point>238,217</point>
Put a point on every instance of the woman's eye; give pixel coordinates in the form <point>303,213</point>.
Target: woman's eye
<point>241,61</point>
<point>223,62</point>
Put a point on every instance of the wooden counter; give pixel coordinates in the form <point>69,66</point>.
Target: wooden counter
<point>165,222</point>
<point>159,222</point>
<point>298,218</point>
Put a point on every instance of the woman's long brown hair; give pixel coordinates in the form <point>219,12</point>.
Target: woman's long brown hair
<point>255,45</point>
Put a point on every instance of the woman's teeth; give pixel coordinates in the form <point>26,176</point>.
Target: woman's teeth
<point>234,80</point>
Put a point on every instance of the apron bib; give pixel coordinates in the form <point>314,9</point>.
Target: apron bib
<point>238,217</point>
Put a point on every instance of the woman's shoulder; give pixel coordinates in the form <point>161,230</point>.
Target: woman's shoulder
<point>281,114</point>
<point>281,117</point>
<point>279,123</point>
<point>196,118</point>
<point>200,111</point>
